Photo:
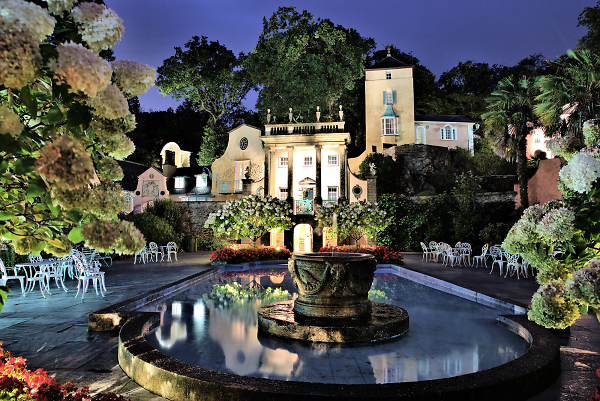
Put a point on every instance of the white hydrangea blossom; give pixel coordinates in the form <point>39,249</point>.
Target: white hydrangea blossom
<point>109,103</point>
<point>557,226</point>
<point>580,173</point>
<point>57,7</point>
<point>10,123</point>
<point>24,16</point>
<point>20,58</point>
<point>133,78</point>
<point>101,28</point>
<point>81,68</point>
<point>592,150</point>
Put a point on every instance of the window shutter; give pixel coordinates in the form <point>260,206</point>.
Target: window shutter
<point>384,97</point>
<point>454,133</point>
<point>442,134</point>
<point>394,97</point>
<point>383,126</point>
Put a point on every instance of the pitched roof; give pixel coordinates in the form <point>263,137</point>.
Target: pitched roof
<point>131,172</point>
<point>440,118</point>
<point>389,62</point>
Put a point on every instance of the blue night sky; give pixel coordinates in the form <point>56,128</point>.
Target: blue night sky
<point>440,33</point>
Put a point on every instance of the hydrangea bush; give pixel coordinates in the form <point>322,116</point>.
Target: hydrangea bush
<point>570,280</point>
<point>63,120</point>
<point>250,217</point>
<point>353,220</point>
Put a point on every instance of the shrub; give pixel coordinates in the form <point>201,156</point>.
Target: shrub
<point>381,253</point>
<point>494,233</point>
<point>154,228</point>
<point>211,244</point>
<point>169,210</point>
<point>249,254</point>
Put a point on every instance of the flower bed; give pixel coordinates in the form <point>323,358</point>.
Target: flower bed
<point>381,253</point>
<point>232,254</point>
<point>18,383</point>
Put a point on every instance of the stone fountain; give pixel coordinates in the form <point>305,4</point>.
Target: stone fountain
<point>333,303</point>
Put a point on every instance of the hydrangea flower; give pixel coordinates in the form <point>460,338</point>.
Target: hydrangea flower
<point>57,7</point>
<point>592,150</point>
<point>66,163</point>
<point>100,27</point>
<point>119,146</point>
<point>565,147</point>
<point>591,131</point>
<point>134,79</point>
<point>24,16</point>
<point>580,173</point>
<point>80,68</point>
<point>109,103</point>
<point>550,307</point>
<point>557,226</point>
<point>10,123</point>
<point>99,234</point>
<point>20,58</point>
<point>584,286</point>
<point>109,170</point>
<point>129,238</point>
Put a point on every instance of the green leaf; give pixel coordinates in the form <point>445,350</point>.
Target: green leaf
<point>54,116</point>
<point>29,101</point>
<point>75,215</point>
<point>76,235</point>
<point>78,114</point>
<point>54,209</point>
<point>24,165</point>
<point>10,145</point>
<point>6,216</point>
<point>583,309</point>
<point>3,166</point>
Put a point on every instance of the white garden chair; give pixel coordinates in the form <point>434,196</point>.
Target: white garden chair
<point>171,249</point>
<point>85,275</point>
<point>449,255</point>
<point>482,257</point>
<point>496,254</point>
<point>427,253</point>
<point>4,276</point>
<point>465,253</point>
<point>143,255</point>
<point>57,272</point>
<point>512,264</point>
<point>435,250</point>
<point>153,251</point>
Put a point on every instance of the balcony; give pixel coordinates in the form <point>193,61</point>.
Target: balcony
<point>304,207</point>
<point>304,129</point>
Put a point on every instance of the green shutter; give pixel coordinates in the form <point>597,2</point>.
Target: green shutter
<point>394,97</point>
<point>384,97</point>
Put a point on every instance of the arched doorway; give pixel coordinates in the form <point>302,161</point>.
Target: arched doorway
<point>303,234</point>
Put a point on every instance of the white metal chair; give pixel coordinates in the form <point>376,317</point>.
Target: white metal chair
<point>171,249</point>
<point>85,275</point>
<point>435,251</point>
<point>482,257</point>
<point>427,253</point>
<point>449,255</point>
<point>465,253</point>
<point>153,251</point>
<point>57,272</point>
<point>5,276</point>
<point>512,264</point>
<point>143,255</point>
<point>496,254</point>
<point>36,276</point>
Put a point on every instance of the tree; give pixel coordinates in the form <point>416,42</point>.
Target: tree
<point>510,118</point>
<point>590,18</point>
<point>250,217</point>
<point>209,76</point>
<point>63,119</point>
<point>302,63</point>
<point>576,81</point>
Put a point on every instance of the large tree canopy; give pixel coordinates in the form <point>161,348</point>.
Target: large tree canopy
<point>510,118</point>
<point>590,18</point>
<point>303,62</point>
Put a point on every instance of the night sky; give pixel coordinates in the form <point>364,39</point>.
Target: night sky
<point>440,33</point>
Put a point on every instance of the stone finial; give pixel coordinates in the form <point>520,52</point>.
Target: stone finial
<point>341,113</point>
<point>247,172</point>
<point>318,113</point>
<point>268,116</point>
<point>389,50</point>
<point>291,115</point>
<point>372,168</point>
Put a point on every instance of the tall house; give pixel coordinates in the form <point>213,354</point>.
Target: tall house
<point>390,111</point>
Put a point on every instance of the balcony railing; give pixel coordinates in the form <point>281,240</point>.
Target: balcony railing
<point>304,129</point>
<point>329,203</point>
<point>304,207</point>
<point>230,187</point>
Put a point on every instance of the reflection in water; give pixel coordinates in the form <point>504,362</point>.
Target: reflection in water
<point>448,336</point>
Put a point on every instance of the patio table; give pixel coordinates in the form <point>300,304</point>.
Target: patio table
<point>36,272</point>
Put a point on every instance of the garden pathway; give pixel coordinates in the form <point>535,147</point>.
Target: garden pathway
<point>51,333</point>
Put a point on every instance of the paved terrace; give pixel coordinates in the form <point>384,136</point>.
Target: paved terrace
<point>52,333</point>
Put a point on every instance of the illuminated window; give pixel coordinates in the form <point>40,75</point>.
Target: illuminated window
<point>283,192</point>
<point>308,160</point>
<point>202,180</point>
<point>448,133</point>
<point>283,161</point>
<point>389,126</point>
<point>179,182</point>
<point>332,160</point>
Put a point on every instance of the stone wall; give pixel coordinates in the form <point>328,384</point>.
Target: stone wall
<point>195,215</point>
<point>543,186</point>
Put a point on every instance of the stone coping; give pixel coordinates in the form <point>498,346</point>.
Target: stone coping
<point>516,380</point>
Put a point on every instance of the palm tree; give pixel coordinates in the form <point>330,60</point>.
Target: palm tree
<point>510,118</point>
<point>575,82</point>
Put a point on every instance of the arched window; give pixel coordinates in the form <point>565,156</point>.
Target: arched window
<point>420,139</point>
<point>128,203</point>
<point>448,133</point>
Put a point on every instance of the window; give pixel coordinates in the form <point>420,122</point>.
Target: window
<point>308,160</point>
<point>537,138</point>
<point>448,133</point>
<point>128,203</point>
<point>240,172</point>
<point>283,192</point>
<point>388,75</point>
<point>283,161</point>
<point>179,182</point>
<point>389,97</point>
<point>420,139</point>
<point>389,126</point>
<point>202,180</point>
<point>332,193</point>
<point>332,160</point>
